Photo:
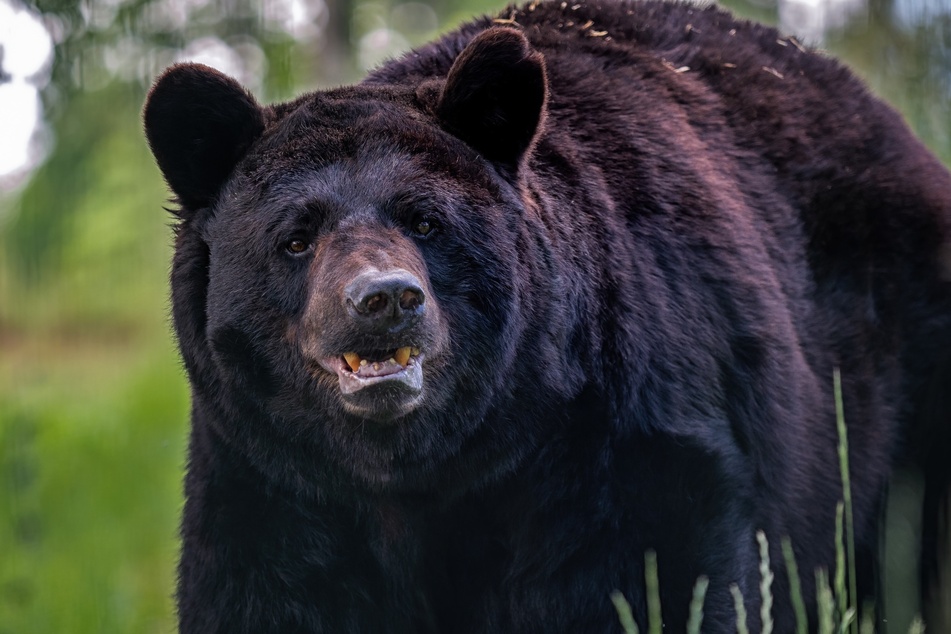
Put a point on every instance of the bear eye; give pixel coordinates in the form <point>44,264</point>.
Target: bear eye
<point>424,227</point>
<point>297,246</point>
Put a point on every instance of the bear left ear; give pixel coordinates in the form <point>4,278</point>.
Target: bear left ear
<point>494,97</point>
<point>199,123</point>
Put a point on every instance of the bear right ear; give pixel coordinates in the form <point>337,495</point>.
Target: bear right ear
<point>495,94</point>
<point>199,124</point>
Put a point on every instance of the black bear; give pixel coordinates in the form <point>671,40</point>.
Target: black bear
<point>467,339</point>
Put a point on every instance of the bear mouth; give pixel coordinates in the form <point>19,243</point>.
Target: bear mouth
<point>402,367</point>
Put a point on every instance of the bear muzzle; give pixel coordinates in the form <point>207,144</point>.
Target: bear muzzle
<point>382,322</point>
<point>385,302</point>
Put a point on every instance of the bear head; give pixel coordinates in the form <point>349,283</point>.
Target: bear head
<point>359,273</point>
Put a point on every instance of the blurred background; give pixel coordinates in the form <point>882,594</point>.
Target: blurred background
<point>93,401</point>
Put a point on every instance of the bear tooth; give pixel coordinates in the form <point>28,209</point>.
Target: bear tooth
<point>415,351</point>
<point>402,356</point>
<point>353,360</point>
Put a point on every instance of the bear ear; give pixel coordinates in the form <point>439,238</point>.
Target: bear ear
<point>494,96</point>
<point>199,124</point>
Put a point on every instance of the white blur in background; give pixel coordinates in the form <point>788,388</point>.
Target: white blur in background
<point>26,55</point>
<point>27,42</point>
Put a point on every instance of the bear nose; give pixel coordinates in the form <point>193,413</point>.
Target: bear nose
<point>388,300</point>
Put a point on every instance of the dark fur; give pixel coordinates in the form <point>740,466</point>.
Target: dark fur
<point>657,232</point>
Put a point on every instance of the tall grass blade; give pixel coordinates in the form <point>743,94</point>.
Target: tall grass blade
<point>838,584</point>
<point>655,620</point>
<point>624,613</point>
<point>695,619</point>
<point>766,583</point>
<point>917,626</point>
<point>825,603</point>
<point>795,587</point>
<point>740,609</point>
<point>848,620</point>
<point>867,624</point>
<point>846,487</point>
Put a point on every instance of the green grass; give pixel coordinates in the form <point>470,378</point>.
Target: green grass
<point>836,602</point>
<point>90,463</point>
<point>93,402</point>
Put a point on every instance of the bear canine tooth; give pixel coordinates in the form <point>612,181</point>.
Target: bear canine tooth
<point>402,356</point>
<point>353,360</point>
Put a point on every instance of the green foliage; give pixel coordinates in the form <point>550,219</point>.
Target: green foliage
<point>93,402</point>
<point>90,458</point>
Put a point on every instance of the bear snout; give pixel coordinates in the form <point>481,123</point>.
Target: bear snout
<point>385,301</point>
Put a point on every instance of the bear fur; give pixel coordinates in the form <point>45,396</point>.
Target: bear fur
<point>625,246</point>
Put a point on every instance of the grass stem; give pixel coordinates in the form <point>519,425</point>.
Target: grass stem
<point>655,620</point>
<point>825,602</point>
<point>766,583</point>
<point>695,620</point>
<point>795,587</point>
<point>624,612</point>
<point>846,490</point>
<point>838,584</point>
<point>740,606</point>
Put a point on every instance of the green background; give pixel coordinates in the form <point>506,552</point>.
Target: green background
<point>93,401</point>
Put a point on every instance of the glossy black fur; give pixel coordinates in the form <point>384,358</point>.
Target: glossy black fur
<point>656,232</point>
